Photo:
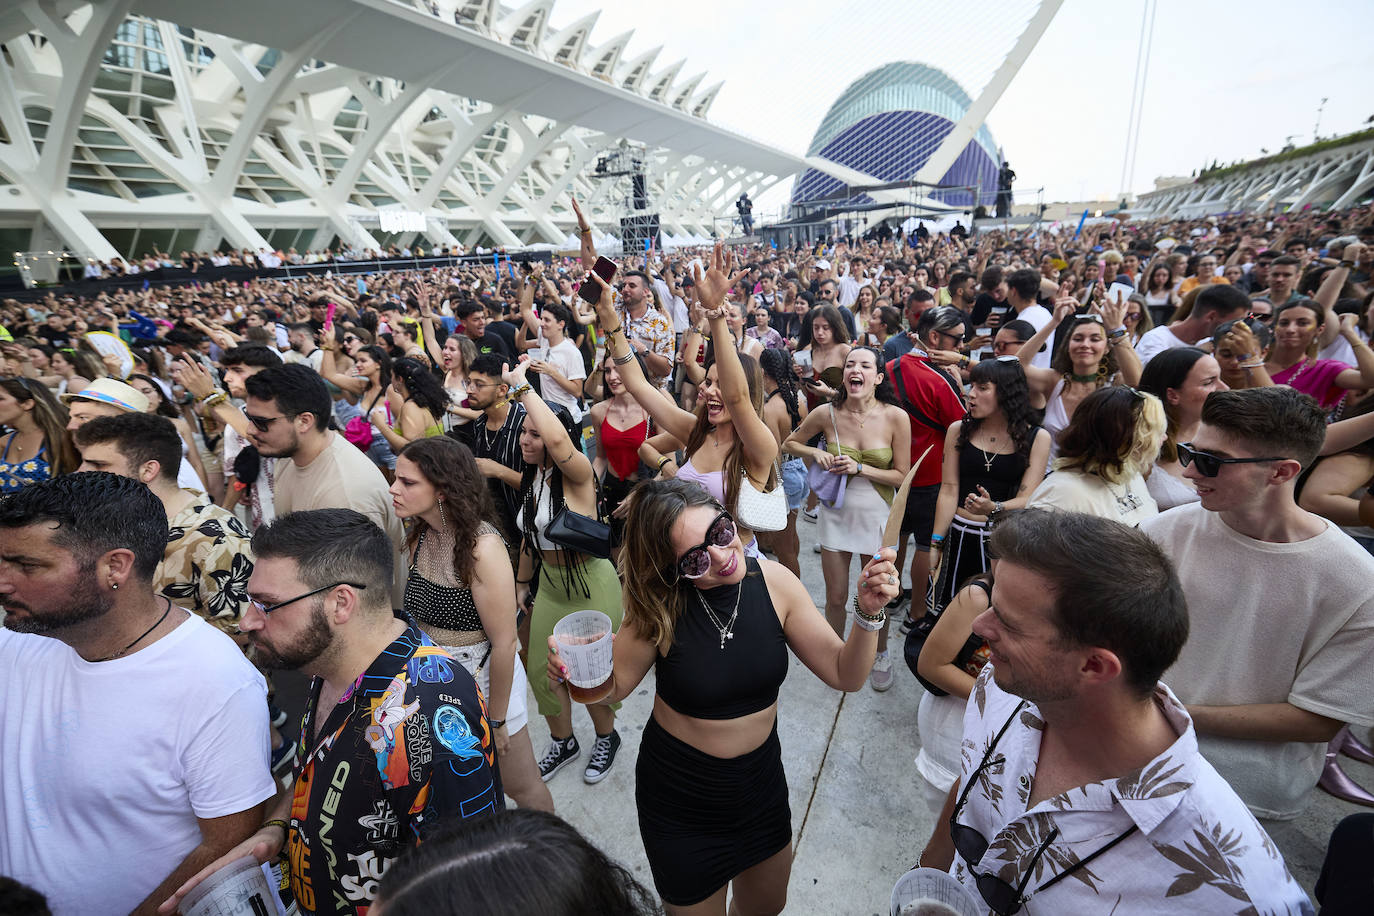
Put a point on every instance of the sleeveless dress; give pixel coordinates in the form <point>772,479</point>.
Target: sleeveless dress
<point>1056,417</point>
<point>15,476</point>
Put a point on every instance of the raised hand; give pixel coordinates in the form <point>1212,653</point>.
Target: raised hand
<point>716,280</point>
<point>515,377</point>
<point>1113,312</point>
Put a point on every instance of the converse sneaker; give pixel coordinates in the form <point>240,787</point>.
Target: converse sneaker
<point>561,752</point>
<point>603,755</point>
<point>881,677</point>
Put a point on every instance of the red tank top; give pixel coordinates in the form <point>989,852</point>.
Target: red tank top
<point>621,447</point>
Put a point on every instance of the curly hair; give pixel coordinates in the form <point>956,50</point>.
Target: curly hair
<point>421,385</point>
<point>1063,363</point>
<point>1013,400</point>
<point>777,365</point>
<point>448,466</point>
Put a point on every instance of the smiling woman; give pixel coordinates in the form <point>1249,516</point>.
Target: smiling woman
<point>716,626</point>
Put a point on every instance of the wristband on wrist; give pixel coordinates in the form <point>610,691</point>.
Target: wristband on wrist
<point>870,622</point>
<point>936,540</point>
<point>858,468</point>
<point>662,461</point>
<point>497,723</point>
<point>276,822</point>
<point>622,360</point>
<point>520,392</point>
<point>1347,264</point>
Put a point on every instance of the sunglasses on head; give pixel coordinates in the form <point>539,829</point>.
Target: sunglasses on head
<point>1209,465</point>
<point>696,562</point>
<point>1002,898</point>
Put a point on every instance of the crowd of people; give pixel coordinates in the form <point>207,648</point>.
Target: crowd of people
<point>1131,468</point>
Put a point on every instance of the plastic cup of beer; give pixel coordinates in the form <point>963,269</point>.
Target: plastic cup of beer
<point>238,889</point>
<point>584,644</point>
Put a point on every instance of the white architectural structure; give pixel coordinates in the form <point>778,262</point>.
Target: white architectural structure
<point>129,125</point>
<point>1334,174</point>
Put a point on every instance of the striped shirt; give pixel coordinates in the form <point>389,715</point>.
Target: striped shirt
<point>503,446</point>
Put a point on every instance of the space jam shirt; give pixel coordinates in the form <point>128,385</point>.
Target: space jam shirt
<point>406,750</point>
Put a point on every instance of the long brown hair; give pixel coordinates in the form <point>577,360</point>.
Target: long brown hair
<point>50,417</point>
<point>652,591</point>
<point>449,467</point>
<point>733,469</point>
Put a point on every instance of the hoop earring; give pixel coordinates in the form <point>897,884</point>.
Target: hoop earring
<point>442,520</point>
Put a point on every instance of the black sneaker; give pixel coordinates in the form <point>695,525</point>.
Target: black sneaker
<point>276,714</point>
<point>603,755</point>
<point>282,758</point>
<point>561,752</point>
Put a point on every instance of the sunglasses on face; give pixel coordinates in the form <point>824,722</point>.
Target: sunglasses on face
<point>696,562</point>
<point>1002,898</point>
<point>262,424</point>
<point>1209,465</point>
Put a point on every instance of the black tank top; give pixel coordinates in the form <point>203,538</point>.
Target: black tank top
<point>1001,480</point>
<point>700,679</point>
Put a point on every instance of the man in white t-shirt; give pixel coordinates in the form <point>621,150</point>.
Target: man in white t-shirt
<point>559,361</point>
<point>1282,601</point>
<point>134,735</point>
<point>1214,305</point>
<point>1023,290</point>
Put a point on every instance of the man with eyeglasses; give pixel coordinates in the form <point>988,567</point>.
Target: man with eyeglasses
<point>288,409</point>
<point>1282,601</point>
<point>1082,788</point>
<point>395,743</point>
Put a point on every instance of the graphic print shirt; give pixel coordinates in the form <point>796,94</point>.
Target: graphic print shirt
<point>406,750</point>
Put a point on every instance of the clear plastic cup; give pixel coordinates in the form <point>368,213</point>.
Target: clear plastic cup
<point>931,892</point>
<point>584,644</point>
<point>238,889</point>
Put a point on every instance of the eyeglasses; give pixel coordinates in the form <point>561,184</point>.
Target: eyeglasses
<point>1209,465</point>
<point>480,385</point>
<point>351,339</point>
<point>1264,317</point>
<point>696,562</point>
<point>265,610</point>
<point>262,424</point>
<point>1001,897</point>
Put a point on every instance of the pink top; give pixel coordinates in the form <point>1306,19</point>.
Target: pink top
<point>1317,378</point>
<point>712,482</point>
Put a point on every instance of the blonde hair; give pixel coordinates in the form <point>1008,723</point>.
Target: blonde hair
<point>1113,437</point>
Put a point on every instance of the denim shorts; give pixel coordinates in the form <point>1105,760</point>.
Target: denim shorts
<point>794,483</point>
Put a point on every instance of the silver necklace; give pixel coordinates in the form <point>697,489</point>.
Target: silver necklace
<point>1126,502</point>
<point>726,629</point>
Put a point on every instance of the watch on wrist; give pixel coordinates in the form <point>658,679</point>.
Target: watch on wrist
<point>497,723</point>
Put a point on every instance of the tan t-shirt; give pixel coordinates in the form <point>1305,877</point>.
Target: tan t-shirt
<point>343,477</point>
<point>1271,623</point>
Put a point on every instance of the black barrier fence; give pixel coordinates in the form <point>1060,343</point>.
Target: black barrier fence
<point>181,276</point>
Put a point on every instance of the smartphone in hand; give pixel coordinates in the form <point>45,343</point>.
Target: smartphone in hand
<point>591,292</point>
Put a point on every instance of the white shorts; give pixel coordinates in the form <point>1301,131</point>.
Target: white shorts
<point>517,710</point>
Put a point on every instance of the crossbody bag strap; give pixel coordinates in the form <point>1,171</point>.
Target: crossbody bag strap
<point>900,382</point>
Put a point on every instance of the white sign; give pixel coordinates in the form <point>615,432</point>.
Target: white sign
<point>401,221</point>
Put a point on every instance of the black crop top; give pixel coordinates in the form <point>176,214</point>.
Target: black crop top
<point>700,679</point>
<point>438,605</point>
<point>1001,481</point>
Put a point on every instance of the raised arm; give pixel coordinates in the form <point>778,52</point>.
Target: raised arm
<point>1363,376</point>
<point>1328,292</point>
<point>577,470</point>
<point>1043,380</point>
<point>1114,322</point>
<point>587,249</point>
<point>760,448</point>
<point>668,416</point>
<point>353,384</point>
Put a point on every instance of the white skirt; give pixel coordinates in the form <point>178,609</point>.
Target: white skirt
<point>940,722</point>
<point>517,710</point>
<point>857,526</point>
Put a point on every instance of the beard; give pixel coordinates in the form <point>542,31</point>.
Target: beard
<point>308,646</point>
<point>86,602</point>
<point>285,451</point>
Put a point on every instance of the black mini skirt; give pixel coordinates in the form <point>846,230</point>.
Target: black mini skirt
<point>705,819</point>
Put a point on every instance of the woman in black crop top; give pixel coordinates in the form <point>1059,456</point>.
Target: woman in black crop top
<point>461,592</point>
<point>994,458</point>
<point>715,626</point>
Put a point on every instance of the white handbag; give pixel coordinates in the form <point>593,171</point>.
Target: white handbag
<point>759,511</point>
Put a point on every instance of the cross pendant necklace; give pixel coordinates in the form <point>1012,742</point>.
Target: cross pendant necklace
<point>727,629</point>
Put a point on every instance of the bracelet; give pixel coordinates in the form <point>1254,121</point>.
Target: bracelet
<point>858,468</point>
<point>586,231</point>
<point>276,822</point>
<point>1347,264</point>
<point>662,461</point>
<point>622,360</point>
<point>213,392</point>
<point>1257,364</point>
<point>520,392</point>
<point>214,401</point>
<point>1117,334</point>
<point>497,723</point>
<point>870,622</point>
<point>936,540</point>
<point>615,330</point>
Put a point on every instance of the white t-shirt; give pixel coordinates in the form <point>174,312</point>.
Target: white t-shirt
<point>1074,491</point>
<point>1155,341</point>
<point>1038,316</point>
<point>107,765</point>
<point>1271,623</point>
<point>568,359</point>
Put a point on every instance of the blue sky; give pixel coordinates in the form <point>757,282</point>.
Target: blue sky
<point>1226,79</point>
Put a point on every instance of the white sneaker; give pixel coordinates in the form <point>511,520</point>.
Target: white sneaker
<point>881,677</point>
<point>811,515</point>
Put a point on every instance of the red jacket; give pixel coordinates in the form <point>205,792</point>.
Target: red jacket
<point>933,400</point>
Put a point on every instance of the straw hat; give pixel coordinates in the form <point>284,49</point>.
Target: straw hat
<point>109,391</point>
